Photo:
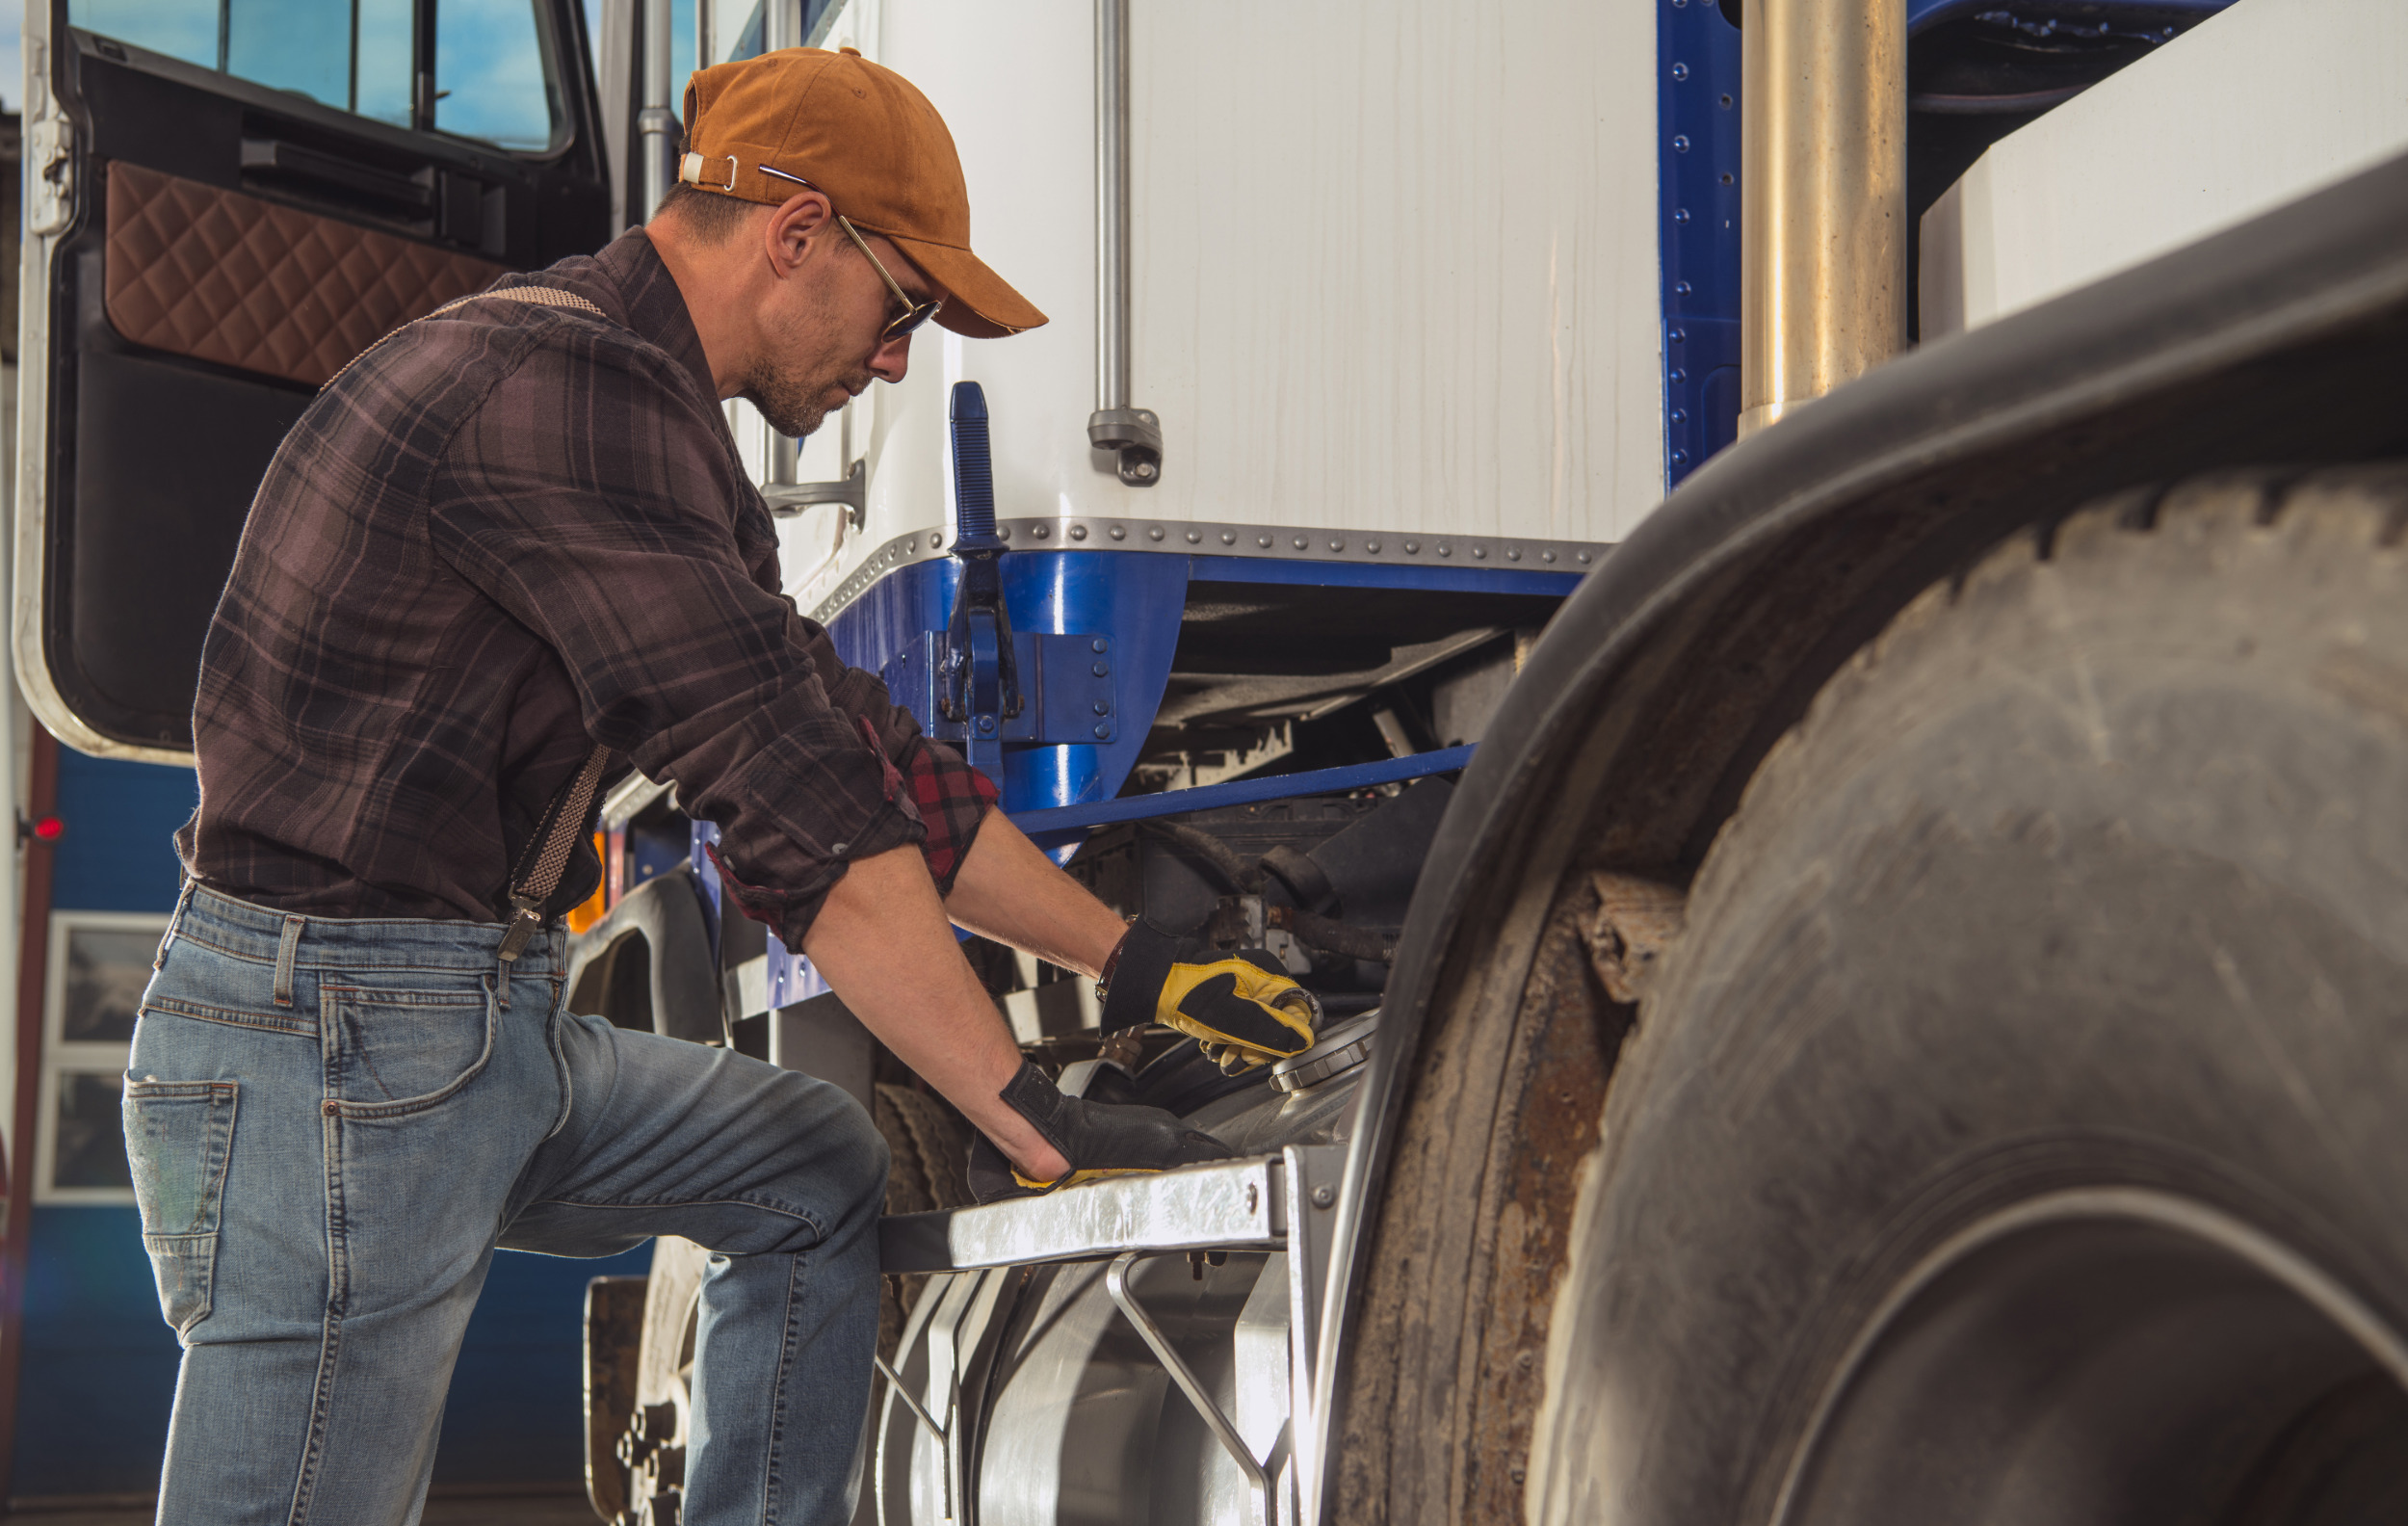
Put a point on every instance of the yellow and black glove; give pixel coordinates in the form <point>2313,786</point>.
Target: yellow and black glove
<point>1098,1139</point>
<point>1241,1006</point>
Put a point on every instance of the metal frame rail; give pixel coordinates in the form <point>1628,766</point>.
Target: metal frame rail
<point>1284,1202</point>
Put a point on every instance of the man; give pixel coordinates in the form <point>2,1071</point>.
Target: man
<point>511,534</point>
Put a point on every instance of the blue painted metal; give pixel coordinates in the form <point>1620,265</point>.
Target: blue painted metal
<point>1134,598</point>
<point>117,854</point>
<point>1434,578</point>
<point>1697,115</point>
<point>1065,685</point>
<point>1042,825</point>
<point>977,685</point>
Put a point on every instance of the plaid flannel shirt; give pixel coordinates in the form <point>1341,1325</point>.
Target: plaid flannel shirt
<point>501,537</point>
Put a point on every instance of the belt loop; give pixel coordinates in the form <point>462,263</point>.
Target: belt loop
<point>284,952</point>
<point>183,900</point>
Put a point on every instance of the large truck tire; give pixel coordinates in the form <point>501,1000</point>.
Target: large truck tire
<point>2019,1130</point>
<point>2010,1124</point>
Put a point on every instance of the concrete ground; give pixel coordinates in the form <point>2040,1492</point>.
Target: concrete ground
<point>519,1510</point>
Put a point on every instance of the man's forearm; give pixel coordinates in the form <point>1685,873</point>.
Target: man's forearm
<point>882,941</point>
<point>1009,891</point>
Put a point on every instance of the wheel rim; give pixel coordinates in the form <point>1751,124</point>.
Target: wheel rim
<point>2074,1358</point>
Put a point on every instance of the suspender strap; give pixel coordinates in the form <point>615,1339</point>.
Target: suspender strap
<point>545,858</point>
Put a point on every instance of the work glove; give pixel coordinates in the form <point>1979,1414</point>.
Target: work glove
<point>1098,1139</point>
<point>1241,1008</point>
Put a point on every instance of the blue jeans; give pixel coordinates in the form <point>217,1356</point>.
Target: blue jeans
<point>334,1124</point>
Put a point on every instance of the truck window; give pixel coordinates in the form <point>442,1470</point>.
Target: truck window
<point>493,76</point>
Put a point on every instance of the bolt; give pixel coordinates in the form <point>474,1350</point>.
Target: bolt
<point>1679,335</point>
<point>1517,1475</point>
<point>1445,550</point>
<point>1263,542</point>
<point>1679,214</point>
<point>1300,543</point>
<point>1101,670</point>
<point>1680,72</point>
<point>1103,733</point>
<point>1103,707</point>
<point>1548,555</point>
<point>1373,546</point>
<point>1096,645</point>
<point>1412,548</point>
<point>1323,1195</point>
<point>1154,533</point>
<point>1144,470</point>
<point>1513,553</point>
<point>1119,533</point>
<point>1041,531</point>
<point>1679,376</point>
<point>1680,143</point>
<point>1480,553</point>
<point>1193,538</point>
<point>1680,458</point>
<point>1250,1197</point>
<point>1228,537</point>
<point>1078,532</point>
<point>986,723</point>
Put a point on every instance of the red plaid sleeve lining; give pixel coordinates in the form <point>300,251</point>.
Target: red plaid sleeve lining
<point>954,799</point>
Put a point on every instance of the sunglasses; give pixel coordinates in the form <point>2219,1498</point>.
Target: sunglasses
<point>915,313</point>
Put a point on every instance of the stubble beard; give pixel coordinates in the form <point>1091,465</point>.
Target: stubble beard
<point>790,387</point>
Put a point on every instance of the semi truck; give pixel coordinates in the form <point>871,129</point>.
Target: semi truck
<point>1790,610</point>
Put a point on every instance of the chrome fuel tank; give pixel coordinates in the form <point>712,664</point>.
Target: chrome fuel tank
<point>1040,1401</point>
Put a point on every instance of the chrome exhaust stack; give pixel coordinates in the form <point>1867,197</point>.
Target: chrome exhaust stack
<point>1822,198</point>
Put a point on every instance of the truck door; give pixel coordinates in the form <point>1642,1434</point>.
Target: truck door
<point>226,200</point>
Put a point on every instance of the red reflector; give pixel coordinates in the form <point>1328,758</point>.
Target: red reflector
<point>49,829</point>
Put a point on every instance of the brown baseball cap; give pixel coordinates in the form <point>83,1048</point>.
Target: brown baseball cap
<point>871,140</point>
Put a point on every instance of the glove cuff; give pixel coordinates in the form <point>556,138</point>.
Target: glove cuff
<point>1138,968</point>
<point>1034,1097</point>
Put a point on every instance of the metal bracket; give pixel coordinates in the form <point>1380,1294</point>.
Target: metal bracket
<point>978,674</point>
<point>1258,1477</point>
<point>50,156</point>
<point>1136,437</point>
<point>1065,686</point>
<point>852,490</point>
<point>1315,1173</point>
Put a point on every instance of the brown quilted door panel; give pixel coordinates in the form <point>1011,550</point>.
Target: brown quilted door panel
<point>215,274</point>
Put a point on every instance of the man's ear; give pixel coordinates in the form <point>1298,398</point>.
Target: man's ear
<point>791,227</point>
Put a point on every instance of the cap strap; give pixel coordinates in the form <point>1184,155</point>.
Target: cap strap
<point>690,171</point>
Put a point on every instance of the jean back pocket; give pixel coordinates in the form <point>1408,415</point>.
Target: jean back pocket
<point>178,1135</point>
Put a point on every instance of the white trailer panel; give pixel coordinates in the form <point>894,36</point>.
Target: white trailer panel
<point>2263,104</point>
<point>1394,270</point>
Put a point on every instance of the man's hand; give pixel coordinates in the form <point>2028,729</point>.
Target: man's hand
<point>882,941</point>
<point>1241,1008</point>
<point>1097,1139</point>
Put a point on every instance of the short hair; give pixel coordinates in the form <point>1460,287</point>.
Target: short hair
<point>712,216</point>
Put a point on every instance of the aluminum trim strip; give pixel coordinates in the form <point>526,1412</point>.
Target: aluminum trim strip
<point>1228,1205</point>
<point>1199,537</point>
